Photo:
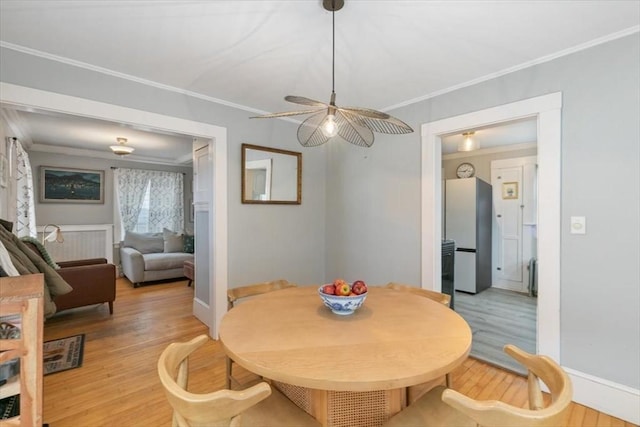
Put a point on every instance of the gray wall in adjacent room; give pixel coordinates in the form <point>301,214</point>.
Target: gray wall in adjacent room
<point>265,242</point>
<point>99,213</point>
<point>374,199</point>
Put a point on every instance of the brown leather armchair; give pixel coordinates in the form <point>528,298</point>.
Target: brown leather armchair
<point>93,282</point>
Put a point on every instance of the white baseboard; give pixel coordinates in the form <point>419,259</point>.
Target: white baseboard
<point>605,396</point>
<point>201,310</point>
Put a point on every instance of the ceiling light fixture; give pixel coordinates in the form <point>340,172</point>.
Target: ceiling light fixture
<point>121,149</point>
<point>352,124</point>
<point>468,143</point>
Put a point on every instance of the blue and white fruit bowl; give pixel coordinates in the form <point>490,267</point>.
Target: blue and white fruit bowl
<point>342,305</point>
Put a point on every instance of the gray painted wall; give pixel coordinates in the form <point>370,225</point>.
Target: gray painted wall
<point>265,242</point>
<point>374,199</point>
<point>60,213</point>
<point>366,202</point>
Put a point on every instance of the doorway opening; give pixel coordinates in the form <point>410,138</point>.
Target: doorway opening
<point>546,110</point>
<point>211,311</point>
<point>489,215</point>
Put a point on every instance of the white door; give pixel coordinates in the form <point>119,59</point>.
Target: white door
<point>508,266</point>
<point>515,216</point>
<point>203,307</point>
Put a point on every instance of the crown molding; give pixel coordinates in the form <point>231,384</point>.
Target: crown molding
<point>184,161</point>
<point>19,128</point>
<point>522,66</point>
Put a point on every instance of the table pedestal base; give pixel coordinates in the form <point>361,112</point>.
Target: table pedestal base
<point>346,408</point>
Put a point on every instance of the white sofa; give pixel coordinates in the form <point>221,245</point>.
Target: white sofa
<point>147,257</point>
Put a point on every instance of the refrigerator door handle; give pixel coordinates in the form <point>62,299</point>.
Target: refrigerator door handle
<point>465,250</point>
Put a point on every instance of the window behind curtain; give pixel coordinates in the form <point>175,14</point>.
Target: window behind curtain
<point>149,200</point>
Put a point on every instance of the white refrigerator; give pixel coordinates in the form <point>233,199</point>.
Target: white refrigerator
<point>468,222</point>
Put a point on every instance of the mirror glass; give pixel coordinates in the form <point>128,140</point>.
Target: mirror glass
<point>271,175</point>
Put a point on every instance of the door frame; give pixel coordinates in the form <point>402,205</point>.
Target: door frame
<point>24,97</point>
<point>547,109</point>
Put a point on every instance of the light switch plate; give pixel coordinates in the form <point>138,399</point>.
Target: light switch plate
<point>578,225</point>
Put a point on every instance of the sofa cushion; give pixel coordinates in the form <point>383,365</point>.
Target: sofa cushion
<point>165,261</point>
<point>173,241</point>
<point>145,243</point>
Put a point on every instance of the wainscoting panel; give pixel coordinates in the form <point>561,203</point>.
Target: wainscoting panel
<point>81,242</point>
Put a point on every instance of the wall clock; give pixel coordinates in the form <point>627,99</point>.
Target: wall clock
<point>465,170</point>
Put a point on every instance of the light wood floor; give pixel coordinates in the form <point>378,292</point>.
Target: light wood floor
<point>498,317</point>
<point>117,384</point>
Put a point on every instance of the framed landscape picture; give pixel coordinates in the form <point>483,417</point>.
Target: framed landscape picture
<point>67,185</point>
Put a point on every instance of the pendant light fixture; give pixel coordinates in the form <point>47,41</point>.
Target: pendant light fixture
<point>328,121</point>
<point>121,149</point>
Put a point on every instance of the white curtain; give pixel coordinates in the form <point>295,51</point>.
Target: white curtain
<point>165,198</point>
<point>130,184</point>
<point>166,201</point>
<point>25,224</point>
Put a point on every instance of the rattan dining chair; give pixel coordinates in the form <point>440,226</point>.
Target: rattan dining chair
<point>236,294</point>
<point>446,407</point>
<point>432,295</point>
<point>259,405</point>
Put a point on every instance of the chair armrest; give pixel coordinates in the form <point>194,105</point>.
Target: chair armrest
<point>80,262</point>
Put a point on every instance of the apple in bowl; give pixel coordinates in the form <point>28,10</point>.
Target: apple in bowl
<point>341,297</point>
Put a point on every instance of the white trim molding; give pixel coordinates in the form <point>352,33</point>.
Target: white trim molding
<point>14,95</point>
<point>605,396</point>
<point>547,109</point>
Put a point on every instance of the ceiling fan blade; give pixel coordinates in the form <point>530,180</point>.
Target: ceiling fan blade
<point>353,131</point>
<point>286,114</point>
<point>390,125</point>
<point>309,133</point>
<point>366,112</point>
<point>305,101</point>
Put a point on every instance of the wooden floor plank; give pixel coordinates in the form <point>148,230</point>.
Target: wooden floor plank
<point>118,383</point>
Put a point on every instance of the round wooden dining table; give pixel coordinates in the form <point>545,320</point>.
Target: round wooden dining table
<point>321,360</point>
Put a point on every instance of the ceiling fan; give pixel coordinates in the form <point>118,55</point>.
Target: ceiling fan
<point>353,124</point>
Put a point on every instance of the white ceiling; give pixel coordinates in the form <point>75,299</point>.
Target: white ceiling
<point>252,53</point>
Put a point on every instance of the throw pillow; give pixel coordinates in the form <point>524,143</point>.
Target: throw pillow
<point>188,244</point>
<point>145,243</point>
<point>173,241</point>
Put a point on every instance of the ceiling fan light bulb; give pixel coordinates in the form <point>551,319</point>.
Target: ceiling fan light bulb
<point>329,126</point>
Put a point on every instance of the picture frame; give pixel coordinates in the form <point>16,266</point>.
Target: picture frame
<point>70,185</point>
<point>4,171</point>
<point>509,190</point>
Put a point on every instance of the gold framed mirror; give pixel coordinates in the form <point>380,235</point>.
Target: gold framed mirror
<point>271,176</point>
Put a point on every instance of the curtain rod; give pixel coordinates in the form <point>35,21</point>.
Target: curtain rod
<point>115,167</point>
